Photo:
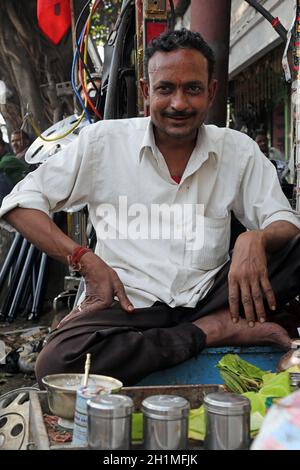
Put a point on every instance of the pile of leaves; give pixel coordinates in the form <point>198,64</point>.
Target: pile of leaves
<point>240,376</point>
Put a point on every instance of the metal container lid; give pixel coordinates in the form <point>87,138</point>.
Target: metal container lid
<point>110,406</point>
<point>294,378</point>
<point>295,344</point>
<point>165,407</point>
<point>224,403</point>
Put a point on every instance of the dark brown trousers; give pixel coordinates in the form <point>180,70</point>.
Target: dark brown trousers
<point>131,346</point>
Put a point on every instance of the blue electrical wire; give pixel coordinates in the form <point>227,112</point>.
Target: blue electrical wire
<point>73,80</point>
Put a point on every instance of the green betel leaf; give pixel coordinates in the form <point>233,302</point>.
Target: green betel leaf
<point>197,423</point>
<point>249,370</point>
<point>239,375</point>
<point>229,361</point>
<point>277,386</point>
<point>294,369</point>
<point>232,382</point>
<point>258,402</point>
<point>137,427</point>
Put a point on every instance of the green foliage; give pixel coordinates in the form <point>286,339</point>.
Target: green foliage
<point>104,19</point>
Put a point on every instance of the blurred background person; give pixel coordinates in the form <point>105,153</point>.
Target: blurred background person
<point>273,154</point>
<point>19,141</point>
<point>12,170</point>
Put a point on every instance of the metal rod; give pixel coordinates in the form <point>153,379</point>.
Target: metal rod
<point>25,294</point>
<point>33,278</point>
<point>39,287</point>
<point>279,28</point>
<point>12,313</point>
<point>28,306</point>
<point>27,299</point>
<point>15,278</point>
<point>11,255</point>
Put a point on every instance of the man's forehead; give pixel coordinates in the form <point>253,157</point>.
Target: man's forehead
<point>165,60</point>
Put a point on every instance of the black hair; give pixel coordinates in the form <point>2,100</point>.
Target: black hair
<point>260,132</point>
<point>180,39</point>
<point>22,132</point>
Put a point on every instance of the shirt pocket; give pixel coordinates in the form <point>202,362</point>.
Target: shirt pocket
<point>211,249</point>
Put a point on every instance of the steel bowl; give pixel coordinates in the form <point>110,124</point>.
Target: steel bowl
<point>62,388</point>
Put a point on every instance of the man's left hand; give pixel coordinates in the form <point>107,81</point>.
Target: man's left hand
<point>248,280</point>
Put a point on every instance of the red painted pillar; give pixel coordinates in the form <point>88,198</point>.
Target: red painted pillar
<point>211,18</point>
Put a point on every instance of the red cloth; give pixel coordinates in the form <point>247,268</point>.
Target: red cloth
<point>54,18</point>
<point>177,179</point>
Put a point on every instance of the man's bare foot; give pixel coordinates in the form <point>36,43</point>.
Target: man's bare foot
<point>220,331</point>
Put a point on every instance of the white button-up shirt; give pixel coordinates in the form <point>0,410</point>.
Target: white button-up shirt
<point>116,168</point>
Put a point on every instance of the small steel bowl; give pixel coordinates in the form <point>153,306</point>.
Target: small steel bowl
<point>62,388</point>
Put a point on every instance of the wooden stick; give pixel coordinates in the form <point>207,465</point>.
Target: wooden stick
<point>87,369</point>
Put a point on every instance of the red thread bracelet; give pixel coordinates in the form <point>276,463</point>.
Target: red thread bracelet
<point>275,22</point>
<point>76,256</point>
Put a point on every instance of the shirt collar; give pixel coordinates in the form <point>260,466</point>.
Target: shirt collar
<point>205,147</point>
<point>148,140</point>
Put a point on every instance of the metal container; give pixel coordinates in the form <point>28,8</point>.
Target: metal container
<point>291,358</point>
<point>62,388</point>
<point>109,422</point>
<point>80,429</point>
<point>294,381</point>
<point>227,418</point>
<point>165,422</point>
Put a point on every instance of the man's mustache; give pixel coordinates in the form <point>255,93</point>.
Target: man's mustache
<point>179,114</point>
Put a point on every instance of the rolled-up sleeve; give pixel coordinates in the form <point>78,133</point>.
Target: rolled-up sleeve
<point>261,200</point>
<point>63,181</point>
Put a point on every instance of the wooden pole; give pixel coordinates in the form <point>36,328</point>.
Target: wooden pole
<point>296,104</point>
<point>211,18</point>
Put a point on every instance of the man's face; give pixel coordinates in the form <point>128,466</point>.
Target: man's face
<point>178,93</point>
<point>262,142</point>
<point>18,143</point>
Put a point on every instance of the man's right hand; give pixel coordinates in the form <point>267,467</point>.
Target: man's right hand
<point>102,284</point>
